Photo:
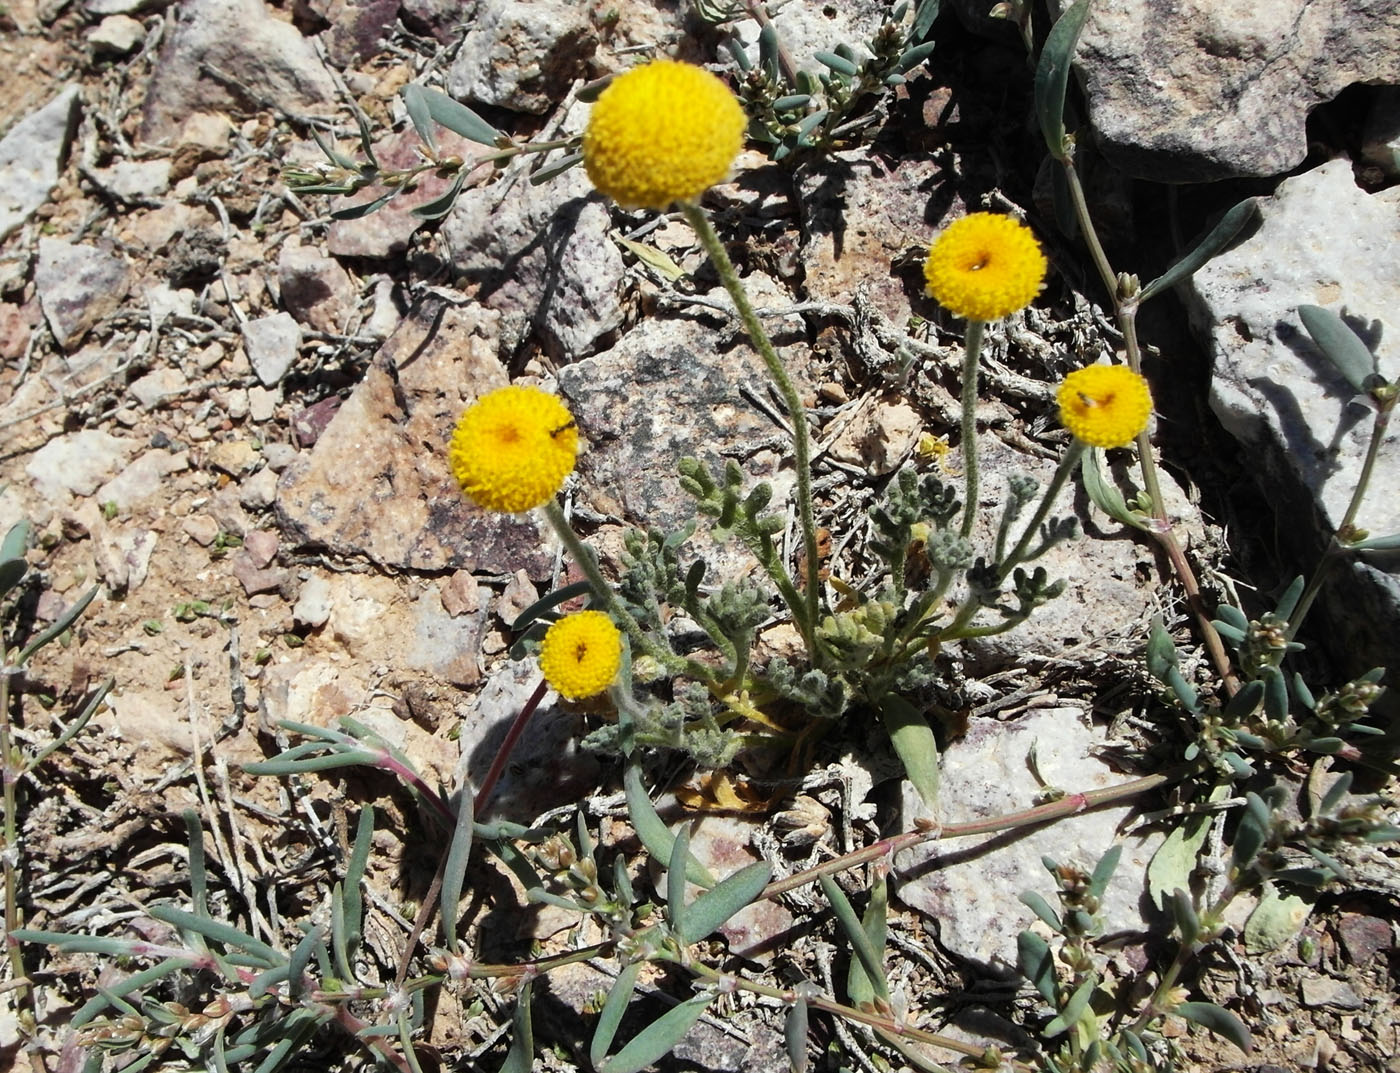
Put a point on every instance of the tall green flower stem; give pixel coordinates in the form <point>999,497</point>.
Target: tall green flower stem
<point>972,353</point>
<point>806,614</point>
<point>1385,399</point>
<point>1123,290</point>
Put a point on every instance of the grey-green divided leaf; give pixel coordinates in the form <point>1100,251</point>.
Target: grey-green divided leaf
<point>1036,963</point>
<point>1220,1021</point>
<point>658,1038</point>
<point>714,907</point>
<point>914,744</point>
<point>1232,226</point>
<point>614,1006</point>
<point>1052,76</point>
<point>1341,346</point>
<point>1103,493</point>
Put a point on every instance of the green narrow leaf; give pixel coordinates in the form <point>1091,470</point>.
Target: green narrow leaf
<point>72,729</point>
<point>457,117</point>
<point>1052,76</point>
<point>1227,232</point>
<point>1335,793</point>
<point>729,895</point>
<point>1220,1021</point>
<point>1074,1008</point>
<point>1186,919</point>
<point>1103,493</point>
<point>1041,908</point>
<point>912,57</point>
<point>1340,345</point>
<point>441,205</point>
<point>658,1038</point>
<point>416,104</point>
<point>354,212</point>
<point>795,1036</point>
<point>133,984</point>
<point>198,874</point>
<point>12,562</point>
<point>218,931</point>
<point>860,989</point>
<point>57,626</point>
<point>521,1057</point>
<point>354,873</point>
<point>334,155</point>
<point>1103,872</point>
<point>301,957</point>
<point>652,830</point>
<point>1037,964</point>
<point>622,882</point>
<point>868,956</point>
<point>914,744</point>
<point>454,872</point>
<point>1288,601</point>
<point>675,878</point>
<point>614,1006</point>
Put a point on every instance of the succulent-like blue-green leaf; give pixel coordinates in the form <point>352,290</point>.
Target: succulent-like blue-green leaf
<point>457,117</point>
<point>1187,922</point>
<point>924,15</point>
<point>521,1056</point>
<point>795,1036</point>
<point>1275,694</point>
<point>675,878</point>
<point>1243,703</point>
<point>12,562</point>
<point>1340,345</point>
<point>1037,963</point>
<point>839,64</point>
<point>913,742</point>
<point>1052,75</point>
<point>415,102</point>
<point>1103,871</point>
<point>454,870</point>
<point>865,951</point>
<point>1391,542</point>
<point>217,931</point>
<point>1103,493</point>
<point>652,830</point>
<point>614,1006</point>
<point>658,1038</point>
<point>729,895</point>
<point>1073,1009</point>
<point>1231,227</point>
<point>1288,602</point>
<point>1041,908</point>
<point>1218,1020</point>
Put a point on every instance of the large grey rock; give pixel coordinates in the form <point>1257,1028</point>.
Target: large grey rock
<point>315,289</point>
<point>972,887</point>
<point>242,39</point>
<point>78,285</point>
<point>523,54</point>
<point>542,254</point>
<point>377,484</point>
<point>77,463</point>
<point>1194,90</point>
<point>1323,242</point>
<point>30,156</point>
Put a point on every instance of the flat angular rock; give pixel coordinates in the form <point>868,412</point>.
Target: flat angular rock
<point>377,483</point>
<point>76,464</point>
<point>271,345</point>
<point>542,253</point>
<point>1196,91</point>
<point>972,886</point>
<point>117,35</point>
<point>30,156</point>
<point>523,54</point>
<point>242,39</point>
<point>78,285</point>
<point>315,289</point>
<point>1323,242</point>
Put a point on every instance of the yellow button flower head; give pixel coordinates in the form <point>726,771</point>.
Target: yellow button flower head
<point>513,448</point>
<point>1105,405</point>
<point>661,133</point>
<point>581,654</point>
<point>984,267</point>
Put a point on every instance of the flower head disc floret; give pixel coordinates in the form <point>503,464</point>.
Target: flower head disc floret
<point>661,133</point>
<point>1105,405</point>
<point>984,267</point>
<point>513,448</point>
<point>581,654</point>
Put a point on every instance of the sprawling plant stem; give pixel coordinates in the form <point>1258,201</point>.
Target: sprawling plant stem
<point>1125,305</point>
<point>806,614</point>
